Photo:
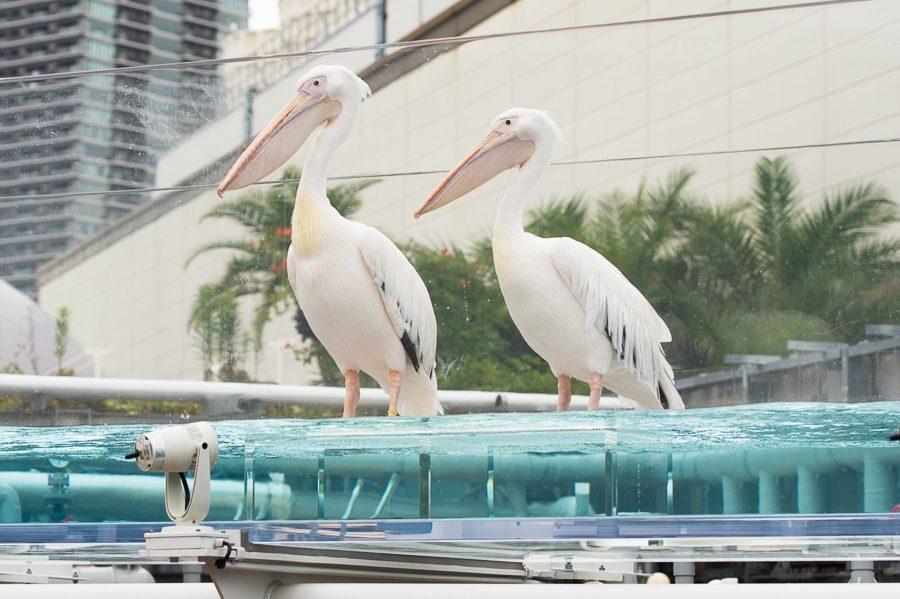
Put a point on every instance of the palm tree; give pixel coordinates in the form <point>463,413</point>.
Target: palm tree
<point>762,271</point>
<point>823,260</point>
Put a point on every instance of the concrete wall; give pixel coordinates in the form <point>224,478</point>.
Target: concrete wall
<point>756,80</point>
<point>871,373</point>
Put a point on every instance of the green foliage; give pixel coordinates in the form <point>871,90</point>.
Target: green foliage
<point>479,347</point>
<point>61,337</point>
<point>217,335</point>
<point>747,276</point>
<point>768,331</point>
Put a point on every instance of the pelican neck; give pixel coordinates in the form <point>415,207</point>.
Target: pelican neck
<point>512,206</point>
<point>314,179</point>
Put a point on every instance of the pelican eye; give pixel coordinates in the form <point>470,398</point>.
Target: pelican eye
<point>316,82</point>
<point>508,122</point>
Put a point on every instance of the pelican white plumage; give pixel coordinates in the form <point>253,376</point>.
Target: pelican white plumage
<point>363,299</point>
<point>572,306</point>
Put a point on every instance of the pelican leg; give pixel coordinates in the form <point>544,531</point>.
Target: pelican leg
<point>351,397</point>
<point>564,388</point>
<point>596,384</point>
<point>393,391</point>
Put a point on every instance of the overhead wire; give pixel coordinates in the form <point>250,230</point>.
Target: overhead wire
<point>454,40</point>
<point>388,175</point>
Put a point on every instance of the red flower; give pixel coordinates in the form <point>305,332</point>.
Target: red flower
<point>445,252</point>
<point>286,231</point>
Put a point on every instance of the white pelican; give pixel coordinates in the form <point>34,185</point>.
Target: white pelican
<point>572,306</point>
<point>363,299</point>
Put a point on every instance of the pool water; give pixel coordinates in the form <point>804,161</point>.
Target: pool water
<point>787,458</point>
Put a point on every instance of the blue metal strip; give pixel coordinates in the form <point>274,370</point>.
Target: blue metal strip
<point>874,526</point>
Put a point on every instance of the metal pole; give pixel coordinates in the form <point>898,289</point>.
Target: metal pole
<point>684,572</point>
<point>862,571</point>
<point>381,27</point>
<point>745,383</point>
<point>248,112</point>
<point>845,374</point>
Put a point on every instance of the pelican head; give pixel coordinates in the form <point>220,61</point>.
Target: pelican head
<point>514,138</point>
<point>323,94</point>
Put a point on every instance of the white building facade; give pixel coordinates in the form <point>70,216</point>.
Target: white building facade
<point>708,87</point>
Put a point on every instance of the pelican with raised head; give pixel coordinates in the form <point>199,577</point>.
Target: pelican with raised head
<point>572,306</point>
<point>363,299</point>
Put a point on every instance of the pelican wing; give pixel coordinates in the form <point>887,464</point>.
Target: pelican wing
<point>406,299</point>
<point>615,306</point>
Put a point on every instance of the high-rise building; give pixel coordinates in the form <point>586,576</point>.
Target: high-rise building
<point>100,132</point>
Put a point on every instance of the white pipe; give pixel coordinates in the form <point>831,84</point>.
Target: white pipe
<point>111,591</point>
<point>455,402</point>
<point>454,591</point>
<point>10,505</point>
<point>524,467</point>
<point>711,466</point>
<point>138,496</point>
<point>552,591</point>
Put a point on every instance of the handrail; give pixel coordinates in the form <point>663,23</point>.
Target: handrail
<point>226,397</point>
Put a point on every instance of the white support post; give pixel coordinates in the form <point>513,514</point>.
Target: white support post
<point>810,493</point>
<point>732,496</point>
<point>878,485</point>
<point>769,500</point>
<point>862,571</point>
<point>683,572</point>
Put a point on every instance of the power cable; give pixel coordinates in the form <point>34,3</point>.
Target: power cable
<point>457,40</point>
<point>205,186</point>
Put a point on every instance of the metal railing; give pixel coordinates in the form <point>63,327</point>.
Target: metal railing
<point>217,401</point>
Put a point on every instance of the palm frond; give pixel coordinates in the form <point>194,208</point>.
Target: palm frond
<point>345,197</point>
<point>847,217</point>
<point>560,217</point>
<point>610,227</point>
<point>225,244</point>
<point>248,210</point>
<point>719,254</point>
<point>879,257</point>
<point>774,203</point>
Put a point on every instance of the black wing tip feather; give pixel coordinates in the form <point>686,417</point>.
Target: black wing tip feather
<point>662,397</point>
<point>410,349</point>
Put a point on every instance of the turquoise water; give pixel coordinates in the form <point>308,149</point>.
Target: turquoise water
<point>765,458</point>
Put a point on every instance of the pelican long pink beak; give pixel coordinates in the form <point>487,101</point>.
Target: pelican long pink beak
<point>496,153</point>
<point>281,138</point>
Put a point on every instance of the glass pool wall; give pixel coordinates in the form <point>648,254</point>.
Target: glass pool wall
<point>763,459</point>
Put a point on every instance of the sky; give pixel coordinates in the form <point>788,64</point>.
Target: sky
<point>263,14</point>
